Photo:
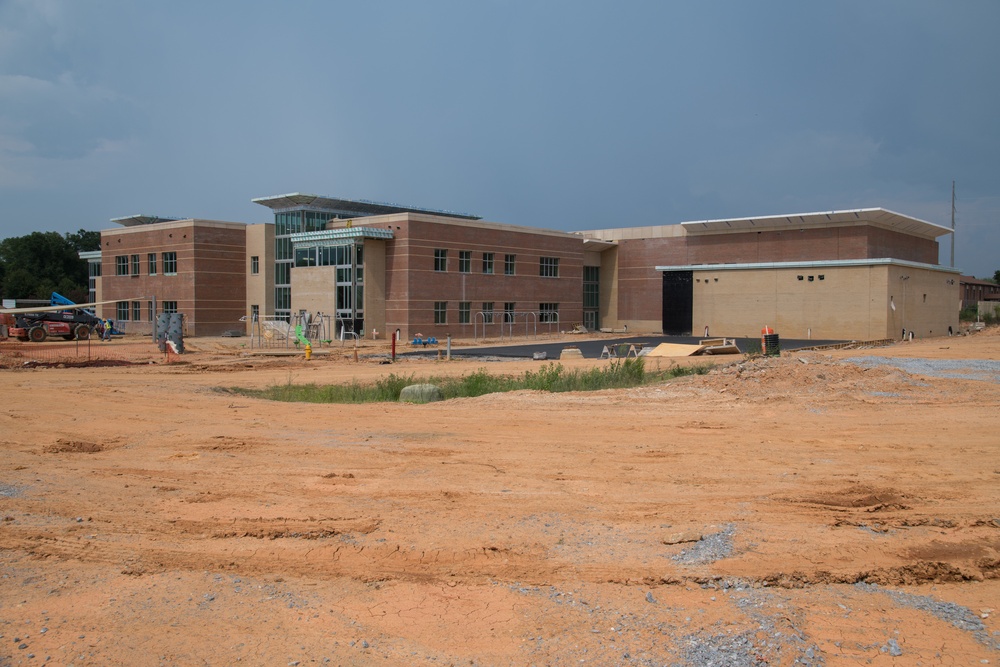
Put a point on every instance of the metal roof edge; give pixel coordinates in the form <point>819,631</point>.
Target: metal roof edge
<point>263,201</point>
<point>834,263</point>
<point>871,215</point>
<point>144,219</point>
<point>342,233</point>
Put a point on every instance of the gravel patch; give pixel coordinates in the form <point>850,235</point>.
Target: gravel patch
<point>709,549</point>
<point>984,370</point>
<point>773,639</point>
<point>960,617</point>
<point>9,491</point>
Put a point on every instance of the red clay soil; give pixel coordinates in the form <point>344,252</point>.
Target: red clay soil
<point>795,510</point>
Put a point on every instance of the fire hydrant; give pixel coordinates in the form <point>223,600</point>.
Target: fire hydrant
<point>309,351</point>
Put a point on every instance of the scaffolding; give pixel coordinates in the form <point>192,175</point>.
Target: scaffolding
<point>275,331</point>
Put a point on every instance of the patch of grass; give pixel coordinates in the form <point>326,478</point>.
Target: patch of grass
<point>620,374</point>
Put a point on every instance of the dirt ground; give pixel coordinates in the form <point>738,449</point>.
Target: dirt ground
<point>799,510</point>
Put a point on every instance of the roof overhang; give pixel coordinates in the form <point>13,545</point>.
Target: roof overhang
<point>597,245</point>
<point>139,219</point>
<point>821,264</point>
<point>879,217</point>
<point>345,208</point>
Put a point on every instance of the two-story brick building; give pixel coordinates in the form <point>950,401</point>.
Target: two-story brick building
<point>859,274</point>
<point>154,264</point>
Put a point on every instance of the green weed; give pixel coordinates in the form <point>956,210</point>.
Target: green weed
<point>551,377</point>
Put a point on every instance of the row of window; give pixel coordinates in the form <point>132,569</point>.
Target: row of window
<point>547,266</point>
<point>548,313</point>
<point>132,310</point>
<point>126,265</point>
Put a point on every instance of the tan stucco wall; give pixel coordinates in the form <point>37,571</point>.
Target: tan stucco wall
<point>608,296</point>
<point>314,288</point>
<point>850,303</point>
<point>103,309</point>
<point>375,287</point>
<point>926,303</point>
<point>260,287</point>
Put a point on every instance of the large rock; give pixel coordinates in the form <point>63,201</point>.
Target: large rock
<point>421,393</point>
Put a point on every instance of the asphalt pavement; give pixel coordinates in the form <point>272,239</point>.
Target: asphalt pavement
<point>592,349</point>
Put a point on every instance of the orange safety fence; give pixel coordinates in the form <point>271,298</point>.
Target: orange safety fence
<point>128,350</point>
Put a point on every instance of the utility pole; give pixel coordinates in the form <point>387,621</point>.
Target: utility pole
<point>953,224</point>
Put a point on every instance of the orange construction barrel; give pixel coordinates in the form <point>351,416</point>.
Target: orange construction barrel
<point>769,344</point>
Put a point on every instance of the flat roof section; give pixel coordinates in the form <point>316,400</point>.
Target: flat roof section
<point>346,207</point>
<point>876,216</point>
<point>141,219</point>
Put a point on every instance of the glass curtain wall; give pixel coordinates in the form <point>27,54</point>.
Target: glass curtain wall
<point>287,223</point>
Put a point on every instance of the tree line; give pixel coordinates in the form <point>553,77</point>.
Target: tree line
<point>35,265</point>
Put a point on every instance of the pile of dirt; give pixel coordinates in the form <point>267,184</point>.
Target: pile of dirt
<point>812,375</point>
<point>64,446</point>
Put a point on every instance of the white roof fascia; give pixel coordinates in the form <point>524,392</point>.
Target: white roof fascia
<point>879,217</point>
<point>820,264</point>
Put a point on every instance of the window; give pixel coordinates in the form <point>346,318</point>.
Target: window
<point>151,263</point>
<point>121,310</point>
<point>465,261</point>
<point>345,297</point>
<point>440,312</point>
<point>508,264</point>
<point>440,259</point>
<point>464,310</point>
<point>121,265</point>
<point>254,265</point>
<point>170,264</point>
<point>548,267</point>
<point>135,265</point>
<point>305,257</point>
<point>282,297</point>
<point>487,312</point>
<point>591,287</point>
<point>508,312</point>
<point>149,309</point>
<point>137,310</point>
<point>169,306</point>
<point>548,313</point>
<point>487,262</point>
<point>254,313</point>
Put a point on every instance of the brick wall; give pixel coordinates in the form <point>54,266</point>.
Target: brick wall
<point>210,283</point>
<point>413,286</point>
<point>640,285</point>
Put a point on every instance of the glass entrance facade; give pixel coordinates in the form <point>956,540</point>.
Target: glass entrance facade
<point>349,260</point>
<point>287,223</point>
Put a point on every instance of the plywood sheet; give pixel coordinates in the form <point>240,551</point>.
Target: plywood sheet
<point>675,350</point>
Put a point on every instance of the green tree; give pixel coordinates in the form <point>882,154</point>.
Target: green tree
<point>84,240</point>
<point>34,266</point>
<point>996,276</point>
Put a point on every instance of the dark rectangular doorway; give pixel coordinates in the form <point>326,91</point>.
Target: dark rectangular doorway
<point>678,301</point>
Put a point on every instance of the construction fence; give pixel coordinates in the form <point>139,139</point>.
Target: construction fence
<point>90,352</point>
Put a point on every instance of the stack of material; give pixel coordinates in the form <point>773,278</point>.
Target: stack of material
<point>707,346</point>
